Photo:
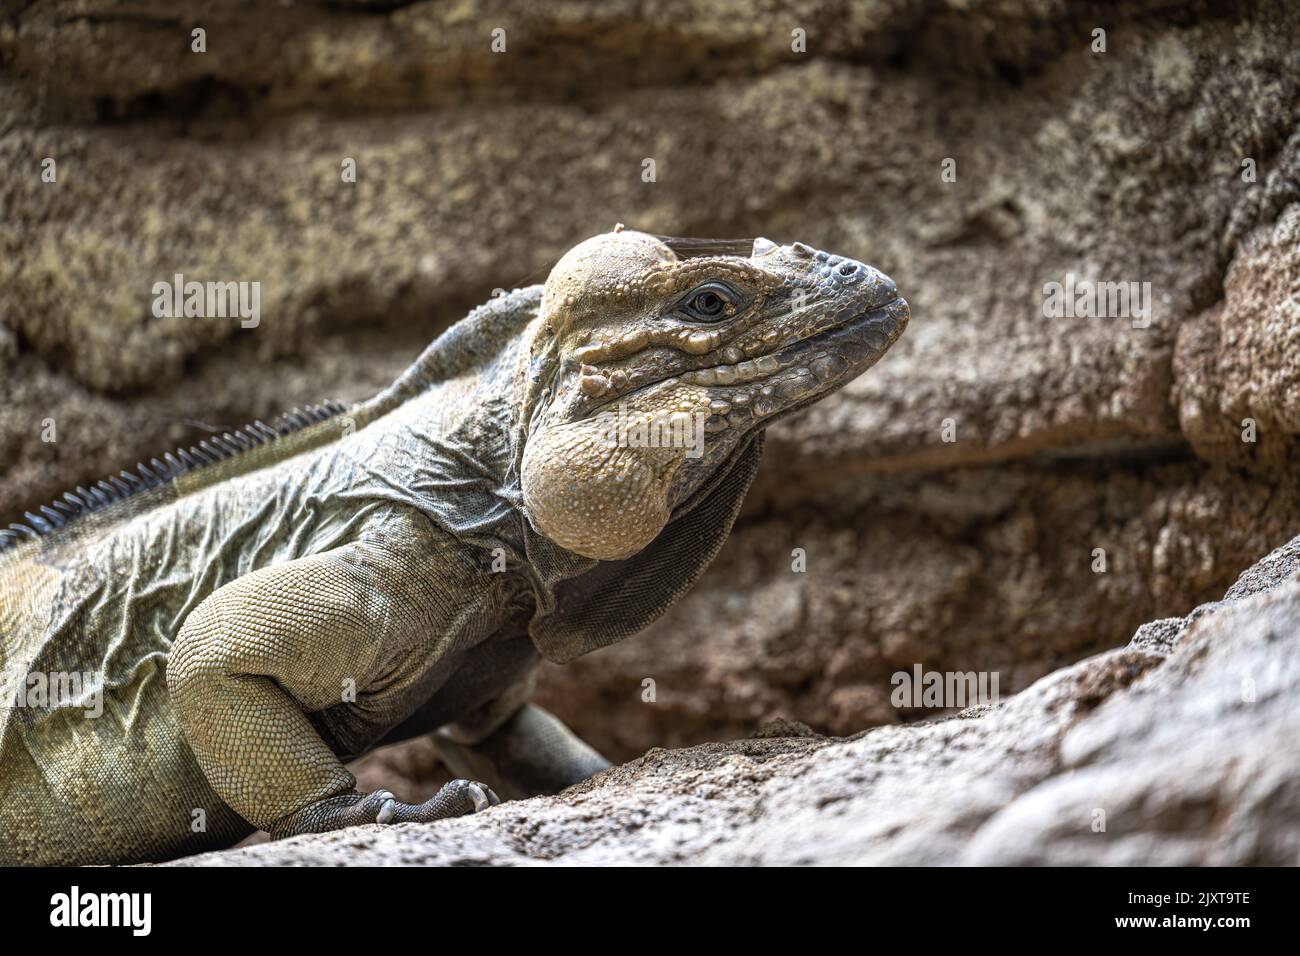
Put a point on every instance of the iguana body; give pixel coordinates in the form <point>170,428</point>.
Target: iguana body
<point>400,567</point>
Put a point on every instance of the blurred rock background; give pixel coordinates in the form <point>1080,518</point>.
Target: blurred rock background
<point>1171,158</point>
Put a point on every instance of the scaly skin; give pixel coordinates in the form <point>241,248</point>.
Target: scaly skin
<point>401,568</point>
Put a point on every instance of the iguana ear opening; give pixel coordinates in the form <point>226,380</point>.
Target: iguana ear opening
<point>592,496</point>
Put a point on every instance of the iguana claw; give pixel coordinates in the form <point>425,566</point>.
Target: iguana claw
<point>483,796</point>
<point>388,810</point>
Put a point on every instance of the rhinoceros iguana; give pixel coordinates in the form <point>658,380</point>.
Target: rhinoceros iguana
<point>193,650</point>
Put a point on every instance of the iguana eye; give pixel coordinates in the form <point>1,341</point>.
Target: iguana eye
<point>709,303</point>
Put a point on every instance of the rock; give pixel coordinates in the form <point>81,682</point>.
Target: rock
<point>1187,755</point>
<point>1237,367</point>
<point>780,727</point>
<point>1198,765</point>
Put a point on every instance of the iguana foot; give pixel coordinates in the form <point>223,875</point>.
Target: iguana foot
<point>352,809</point>
<point>455,799</point>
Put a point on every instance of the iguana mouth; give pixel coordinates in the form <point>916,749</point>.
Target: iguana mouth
<point>796,373</point>
<point>879,327</point>
<point>831,358</point>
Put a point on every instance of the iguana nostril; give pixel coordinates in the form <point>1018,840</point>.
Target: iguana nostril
<point>848,268</point>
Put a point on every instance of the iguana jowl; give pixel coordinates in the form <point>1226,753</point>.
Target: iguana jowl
<point>264,607</point>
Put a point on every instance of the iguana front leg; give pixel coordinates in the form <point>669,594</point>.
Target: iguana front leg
<point>530,753</point>
<point>261,652</point>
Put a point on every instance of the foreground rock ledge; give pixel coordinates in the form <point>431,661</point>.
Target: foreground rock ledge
<point>1184,746</point>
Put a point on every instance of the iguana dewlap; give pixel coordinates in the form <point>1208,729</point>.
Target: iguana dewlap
<point>253,612</point>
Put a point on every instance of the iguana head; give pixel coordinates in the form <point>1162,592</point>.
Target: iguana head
<point>650,368</point>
